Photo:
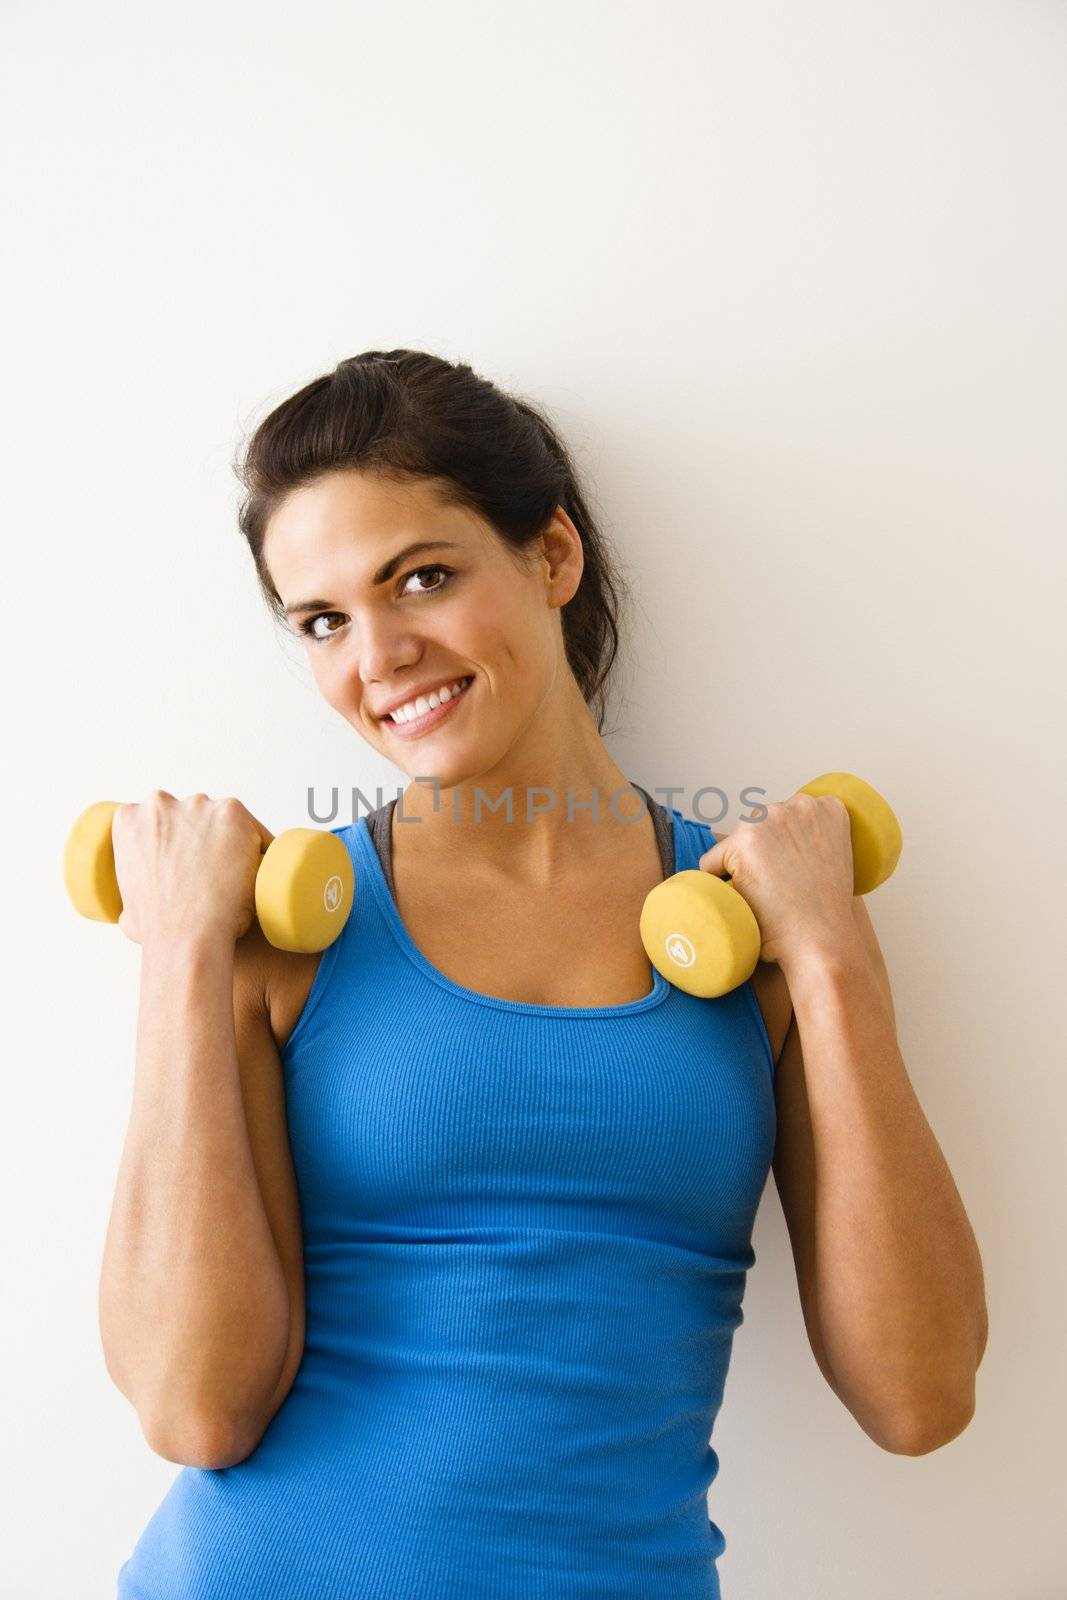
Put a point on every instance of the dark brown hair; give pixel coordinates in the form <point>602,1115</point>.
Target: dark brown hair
<point>407,414</point>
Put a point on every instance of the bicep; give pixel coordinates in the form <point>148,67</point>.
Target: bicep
<point>263,1097</point>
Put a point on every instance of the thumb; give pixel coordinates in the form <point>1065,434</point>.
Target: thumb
<point>714,860</point>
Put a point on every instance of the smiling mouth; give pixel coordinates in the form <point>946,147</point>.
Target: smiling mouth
<point>432,715</point>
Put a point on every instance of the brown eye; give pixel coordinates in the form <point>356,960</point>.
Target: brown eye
<point>308,627</point>
<point>418,572</point>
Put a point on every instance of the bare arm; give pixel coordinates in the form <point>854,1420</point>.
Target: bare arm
<point>193,1304</point>
<point>890,1275</point>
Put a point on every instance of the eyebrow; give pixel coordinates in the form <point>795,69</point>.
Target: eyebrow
<point>382,575</point>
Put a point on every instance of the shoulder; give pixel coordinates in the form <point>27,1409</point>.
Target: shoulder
<point>271,986</point>
<point>776,1006</point>
<point>250,970</point>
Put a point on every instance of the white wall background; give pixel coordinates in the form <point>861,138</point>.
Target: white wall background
<point>791,279</point>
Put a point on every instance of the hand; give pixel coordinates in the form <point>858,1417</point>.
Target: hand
<point>794,868</point>
<point>186,866</point>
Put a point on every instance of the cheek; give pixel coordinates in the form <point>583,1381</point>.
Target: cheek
<point>339,685</point>
<point>329,680</point>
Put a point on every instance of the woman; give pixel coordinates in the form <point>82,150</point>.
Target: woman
<point>428,1269</point>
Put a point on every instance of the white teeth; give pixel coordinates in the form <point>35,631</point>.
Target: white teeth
<point>423,703</point>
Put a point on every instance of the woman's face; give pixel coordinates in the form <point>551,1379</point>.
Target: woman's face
<point>384,623</point>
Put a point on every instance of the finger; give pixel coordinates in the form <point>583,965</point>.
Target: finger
<point>265,836</point>
<point>238,808</point>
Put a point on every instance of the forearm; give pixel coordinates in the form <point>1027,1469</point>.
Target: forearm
<point>899,1284</point>
<point>193,1302</point>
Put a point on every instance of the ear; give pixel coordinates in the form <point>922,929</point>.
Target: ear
<point>563,556</point>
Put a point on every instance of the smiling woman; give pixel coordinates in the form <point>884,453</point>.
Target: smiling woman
<point>511,1172</point>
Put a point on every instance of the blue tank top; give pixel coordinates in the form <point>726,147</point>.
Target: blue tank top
<point>527,1230</point>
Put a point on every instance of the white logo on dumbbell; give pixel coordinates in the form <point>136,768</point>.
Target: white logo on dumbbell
<point>333,893</point>
<point>680,949</point>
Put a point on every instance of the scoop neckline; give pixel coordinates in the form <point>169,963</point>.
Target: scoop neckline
<point>383,894</point>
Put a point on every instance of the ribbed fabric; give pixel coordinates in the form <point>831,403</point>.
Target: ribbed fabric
<point>527,1230</point>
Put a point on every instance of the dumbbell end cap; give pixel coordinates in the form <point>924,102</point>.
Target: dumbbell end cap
<point>89,864</point>
<point>700,934</point>
<point>876,835</point>
<point>304,890</point>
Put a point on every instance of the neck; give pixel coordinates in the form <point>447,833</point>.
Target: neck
<point>568,801</point>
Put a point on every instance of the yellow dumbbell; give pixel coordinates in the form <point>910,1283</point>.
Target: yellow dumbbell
<point>700,932</point>
<point>304,884</point>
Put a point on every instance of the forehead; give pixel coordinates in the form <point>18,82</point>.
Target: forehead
<point>350,521</point>
<point>356,502</point>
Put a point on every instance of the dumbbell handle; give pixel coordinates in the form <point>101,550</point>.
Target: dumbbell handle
<point>304,884</point>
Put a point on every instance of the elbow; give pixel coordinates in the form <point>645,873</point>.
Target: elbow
<point>939,1417</point>
<point>929,1429</point>
<point>208,1444</point>
<point>209,1436</point>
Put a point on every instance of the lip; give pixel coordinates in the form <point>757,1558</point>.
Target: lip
<point>429,719</point>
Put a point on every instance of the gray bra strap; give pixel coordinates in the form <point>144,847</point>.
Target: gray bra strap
<point>663,821</point>
<point>380,823</point>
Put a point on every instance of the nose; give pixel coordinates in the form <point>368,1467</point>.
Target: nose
<point>385,646</point>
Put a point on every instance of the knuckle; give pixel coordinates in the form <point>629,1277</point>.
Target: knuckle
<point>126,818</point>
